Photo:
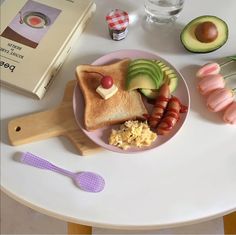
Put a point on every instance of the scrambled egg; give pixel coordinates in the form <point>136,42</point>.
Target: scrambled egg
<point>132,134</point>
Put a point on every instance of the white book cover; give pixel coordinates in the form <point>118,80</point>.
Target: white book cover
<point>35,38</point>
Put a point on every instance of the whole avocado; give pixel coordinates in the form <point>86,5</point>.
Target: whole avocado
<point>204,34</point>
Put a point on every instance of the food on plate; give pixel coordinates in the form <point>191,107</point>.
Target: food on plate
<point>132,134</point>
<point>160,105</point>
<point>107,82</point>
<point>208,69</point>
<point>230,114</point>
<point>112,96</point>
<point>170,77</point>
<point>204,34</point>
<point>122,106</point>
<point>170,118</point>
<point>107,88</point>
<point>219,99</point>
<point>148,76</point>
<point>210,83</point>
<point>144,73</point>
<point>106,93</point>
<point>232,57</point>
<point>165,112</point>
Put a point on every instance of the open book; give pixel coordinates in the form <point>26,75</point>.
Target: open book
<point>36,36</point>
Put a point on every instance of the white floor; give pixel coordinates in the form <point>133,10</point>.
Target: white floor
<point>18,219</point>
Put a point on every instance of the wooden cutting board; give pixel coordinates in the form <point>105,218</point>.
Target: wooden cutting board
<point>59,121</point>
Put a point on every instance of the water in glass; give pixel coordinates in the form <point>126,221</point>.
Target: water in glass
<point>162,11</point>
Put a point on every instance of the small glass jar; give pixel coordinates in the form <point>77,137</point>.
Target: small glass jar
<point>118,22</point>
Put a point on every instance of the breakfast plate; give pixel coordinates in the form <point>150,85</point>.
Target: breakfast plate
<point>101,136</point>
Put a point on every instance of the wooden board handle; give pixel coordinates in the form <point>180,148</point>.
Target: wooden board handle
<point>41,125</point>
<point>56,122</point>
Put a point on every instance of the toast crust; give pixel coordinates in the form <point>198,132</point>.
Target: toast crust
<point>122,106</point>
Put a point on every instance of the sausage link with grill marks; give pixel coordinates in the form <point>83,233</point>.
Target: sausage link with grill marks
<point>170,117</point>
<point>159,106</point>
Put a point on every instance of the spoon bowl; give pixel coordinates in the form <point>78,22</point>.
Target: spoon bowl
<point>89,181</point>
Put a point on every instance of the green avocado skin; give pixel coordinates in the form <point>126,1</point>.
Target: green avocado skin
<point>191,48</point>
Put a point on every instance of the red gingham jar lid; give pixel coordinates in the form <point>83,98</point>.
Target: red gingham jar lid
<point>117,19</point>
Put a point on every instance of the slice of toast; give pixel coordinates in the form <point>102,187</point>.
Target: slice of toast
<point>122,106</point>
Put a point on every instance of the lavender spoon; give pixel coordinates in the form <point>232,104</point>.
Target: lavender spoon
<point>87,181</point>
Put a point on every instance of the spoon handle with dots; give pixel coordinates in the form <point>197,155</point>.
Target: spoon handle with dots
<point>32,160</point>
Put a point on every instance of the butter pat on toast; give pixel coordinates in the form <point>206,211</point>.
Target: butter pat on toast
<point>122,106</point>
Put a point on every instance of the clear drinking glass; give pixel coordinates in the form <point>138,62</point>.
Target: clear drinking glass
<point>163,11</point>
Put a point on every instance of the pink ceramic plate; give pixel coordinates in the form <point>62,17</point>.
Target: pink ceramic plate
<point>100,136</point>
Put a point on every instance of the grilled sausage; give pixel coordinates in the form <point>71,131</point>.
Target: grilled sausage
<point>160,105</point>
<point>170,117</point>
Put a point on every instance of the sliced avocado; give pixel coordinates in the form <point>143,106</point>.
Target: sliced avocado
<point>152,68</point>
<point>132,74</point>
<point>142,61</point>
<point>161,64</point>
<point>193,44</point>
<point>149,93</point>
<point>169,76</point>
<point>141,80</point>
<point>168,71</point>
<point>173,83</point>
<point>152,93</point>
<point>147,63</point>
<point>144,73</point>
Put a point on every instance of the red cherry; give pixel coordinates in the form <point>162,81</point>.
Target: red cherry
<point>107,82</point>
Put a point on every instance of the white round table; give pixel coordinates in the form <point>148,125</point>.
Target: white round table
<point>191,178</point>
